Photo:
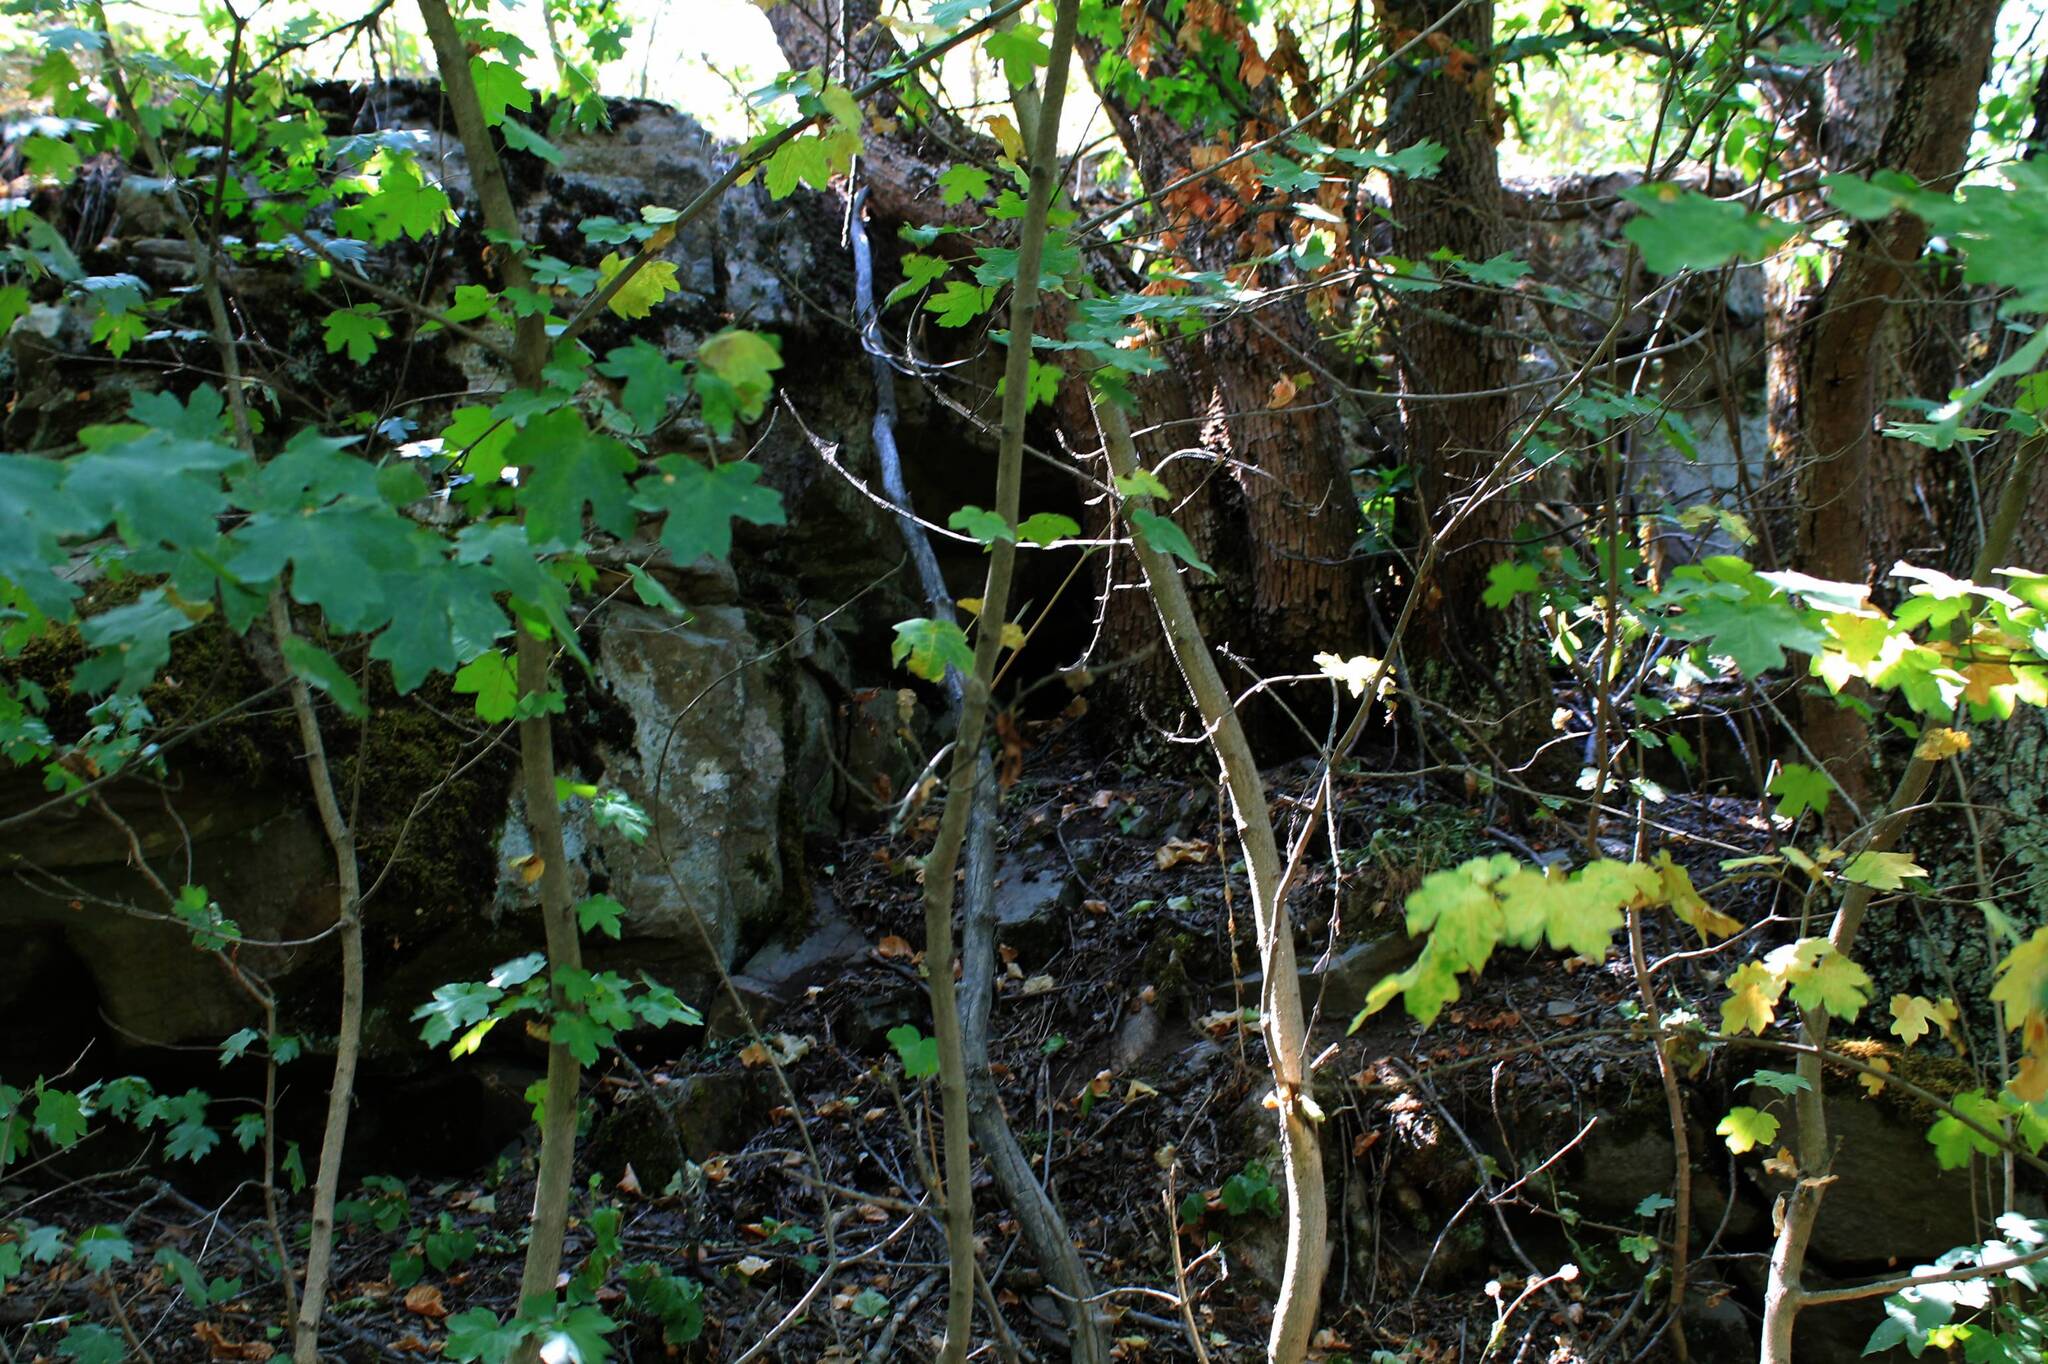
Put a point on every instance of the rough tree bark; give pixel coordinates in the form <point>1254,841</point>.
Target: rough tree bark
<point>1456,341</point>
<point>1944,54</point>
<point>1275,486</point>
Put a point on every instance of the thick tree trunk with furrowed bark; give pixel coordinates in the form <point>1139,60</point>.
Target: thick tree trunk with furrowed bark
<point>1944,54</point>
<point>1455,355</point>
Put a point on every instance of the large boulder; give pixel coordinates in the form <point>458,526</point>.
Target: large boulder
<point>708,752</point>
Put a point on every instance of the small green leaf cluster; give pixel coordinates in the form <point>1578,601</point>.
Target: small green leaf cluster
<point>62,1118</point>
<point>442,1247</point>
<point>574,1326</point>
<point>1994,1318</point>
<point>1251,1191</point>
<point>583,1010</point>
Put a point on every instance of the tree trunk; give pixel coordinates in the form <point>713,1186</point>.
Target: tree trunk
<point>1273,486</point>
<point>1944,53</point>
<point>1458,341</point>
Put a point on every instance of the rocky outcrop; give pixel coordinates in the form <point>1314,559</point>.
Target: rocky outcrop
<point>728,728</point>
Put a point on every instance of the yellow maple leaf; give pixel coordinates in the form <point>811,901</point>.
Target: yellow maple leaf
<point>1823,978</point>
<point>1687,903</point>
<point>1912,1015</point>
<point>2023,980</point>
<point>1873,1083</point>
<point>1980,678</point>
<point>1941,743</point>
<point>1752,999</point>
<point>649,285</point>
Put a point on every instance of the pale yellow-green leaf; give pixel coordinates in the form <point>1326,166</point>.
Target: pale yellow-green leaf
<point>1752,999</point>
<point>1882,870</point>
<point>1822,978</point>
<point>1913,1015</point>
<point>1746,1128</point>
<point>649,285</point>
<point>1687,903</point>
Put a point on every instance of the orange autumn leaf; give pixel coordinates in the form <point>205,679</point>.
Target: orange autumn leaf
<point>424,1300</point>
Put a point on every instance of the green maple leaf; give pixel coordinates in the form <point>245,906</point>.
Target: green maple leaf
<point>14,304</point>
<point>119,331</point>
<point>568,467</point>
<point>477,1334</point>
<point>581,1035</point>
<point>800,161</point>
<point>476,439</point>
<point>1166,538</point>
<point>918,273</point>
<point>1141,483</point>
<point>1020,48</point>
<point>999,265</point>
<point>1882,870</point>
<point>649,377</point>
<point>1502,271</point>
<point>309,472</point>
<point>50,157</point>
<point>1755,633</point>
<point>191,1141</point>
<point>357,329</point>
<point>919,1054</point>
<point>402,204</point>
<point>600,912</point>
<point>540,595</point>
<point>735,375</point>
<point>1419,160</point>
<point>87,1343</point>
<point>60,1117</point>
<point>1801,788</point>
<point>577,1336</point>
<point>1747,1128</point>
<point>1953,1142</point>
<point>499,87</point>
<point>650,284</point>
<point>1509,579</point>
<point>491,679</point>
<point>519,137</point>
<point>340,555</point>
<point>35,516</point>
<point>102,1247</point>
<point>985,526</point>
<point>319,669</point>
<point>1682,229</point>
<point>701,504</point>
<point>959,303</point>
<point>156,486</point>
<point>928,647</point>
<point>1288,177</point>
<point>451,615</point>
<point>1779,1081</point>
<point>961,183</point>
<point>1044,528</point>
<point>1045,383</point>
<point>133,643</point>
